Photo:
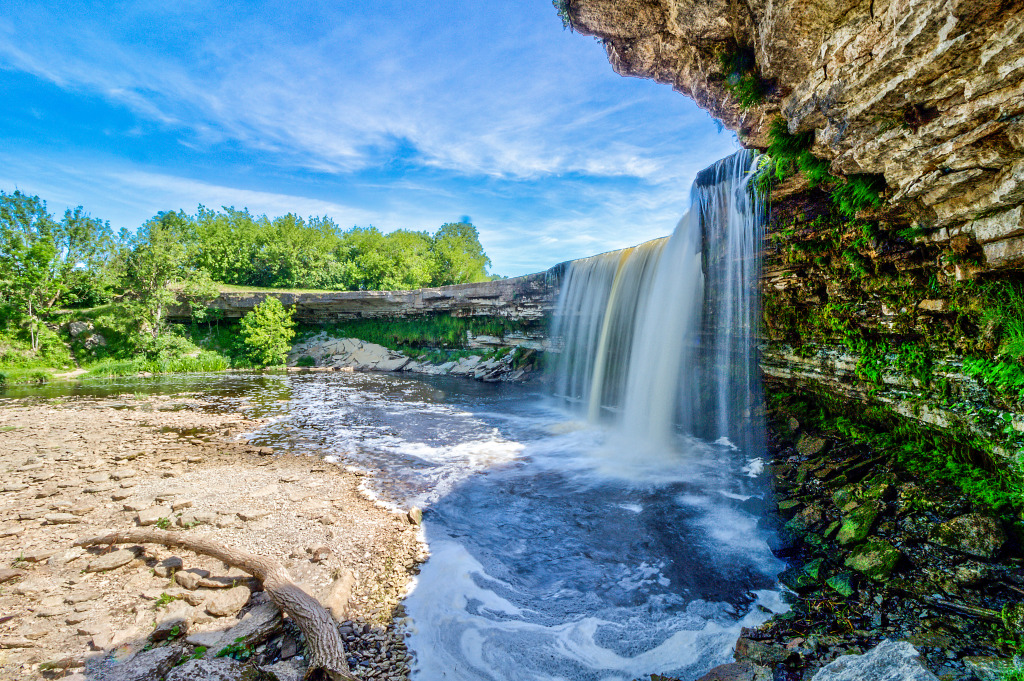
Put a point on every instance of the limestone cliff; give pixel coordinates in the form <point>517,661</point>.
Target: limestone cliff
<point>928,93</point>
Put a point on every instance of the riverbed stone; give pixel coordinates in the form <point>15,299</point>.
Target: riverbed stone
<point>888,661</point>
<point>875,558</point>
<point>228,602</point>
<point>172,621</point>
<point>974,534</point>
<point>152,515</point>
<point>111,561</point>
<point>857,523</point>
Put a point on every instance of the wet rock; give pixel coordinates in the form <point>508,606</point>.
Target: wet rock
<point>228,602</point>
<point>811,445</point>
<point>759,653</point>
<point>974,534</point>
<point>888,661</point>
<point>841,584</point>
<point>875,558</point>
<point>857,524</point>
<point>217,669</point>
<point>111,561</point>
<point>738,671</point>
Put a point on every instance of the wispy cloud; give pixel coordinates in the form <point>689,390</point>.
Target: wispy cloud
<point>391,117</point>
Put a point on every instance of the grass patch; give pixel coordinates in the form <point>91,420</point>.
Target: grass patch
<point>206,361</point>
<point>414,334</point>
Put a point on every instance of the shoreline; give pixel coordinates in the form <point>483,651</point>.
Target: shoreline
<point>78,465</point>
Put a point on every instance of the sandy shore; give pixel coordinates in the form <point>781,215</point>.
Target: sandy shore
<point>73,467</point>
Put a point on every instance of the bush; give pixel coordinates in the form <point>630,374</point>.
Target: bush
<point>268,330</point>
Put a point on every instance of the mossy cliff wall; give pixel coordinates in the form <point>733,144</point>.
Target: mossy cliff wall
<point>908,301</point>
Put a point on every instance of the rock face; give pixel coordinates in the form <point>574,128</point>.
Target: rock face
<point>888,661</point>
<point>929,93</point>
<point>526,298</point>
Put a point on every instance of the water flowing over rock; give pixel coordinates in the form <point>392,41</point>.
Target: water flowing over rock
<point>660,334</point>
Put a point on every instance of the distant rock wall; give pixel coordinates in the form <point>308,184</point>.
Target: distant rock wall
<point>528,298</point>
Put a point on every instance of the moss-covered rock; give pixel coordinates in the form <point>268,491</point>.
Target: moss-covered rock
<point>875,558</point>
<point>974,534</point>
<point>858,523</point>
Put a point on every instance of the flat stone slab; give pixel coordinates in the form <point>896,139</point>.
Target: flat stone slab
<point>111,561</point>
<point>228,602</point>
<point>152,515</point>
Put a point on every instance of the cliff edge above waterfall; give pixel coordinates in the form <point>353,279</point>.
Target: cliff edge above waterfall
<point>928,93</point>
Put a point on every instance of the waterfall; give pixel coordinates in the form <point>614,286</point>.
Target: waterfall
<point>659,338</point>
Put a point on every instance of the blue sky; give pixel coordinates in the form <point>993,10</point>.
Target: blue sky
<point>402,114</point>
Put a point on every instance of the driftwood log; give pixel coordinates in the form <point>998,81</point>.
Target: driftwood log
<point>326,651</point>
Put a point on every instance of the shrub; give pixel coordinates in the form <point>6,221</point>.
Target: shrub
<point>268,330</point>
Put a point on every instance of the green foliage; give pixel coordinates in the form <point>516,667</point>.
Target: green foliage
<point>1005,377</point>
<point>165,598</point>
<point>239,650</point>
<point>741,79</point>
<point>792,154</point>
<point>945,458</point>
<point>857,193</point>
<point>562,7</point>
<point>412,334</point>
<point>268,330</point>
<point>1004,310</point>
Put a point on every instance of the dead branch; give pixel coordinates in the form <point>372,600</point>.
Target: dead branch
<point>326,651</point>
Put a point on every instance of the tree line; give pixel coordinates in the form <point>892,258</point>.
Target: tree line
<point>48,263</point>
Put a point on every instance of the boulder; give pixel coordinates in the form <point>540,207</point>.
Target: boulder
<point>974,534</point>
<point>110,561</point>
<point>857,523</point>
<point>875,558</point>
<point>811,445</point>
<point>173,621</point>
<point>888,661</point>
<point>152,515</point>
<point>228,602</point>
<point>254,627</point>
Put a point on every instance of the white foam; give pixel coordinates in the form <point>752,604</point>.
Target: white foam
<point>753,468</point>
<point>495,640</point>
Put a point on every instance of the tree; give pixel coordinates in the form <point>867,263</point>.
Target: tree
<point>268,330</point>
<point>459,255</point>
<point>153,263</point>
<point>85,246</point>
<point>27,257</point>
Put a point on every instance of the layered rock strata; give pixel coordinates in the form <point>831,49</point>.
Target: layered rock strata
<point>928,93</point>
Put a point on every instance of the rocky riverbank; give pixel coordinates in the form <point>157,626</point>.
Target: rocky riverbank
<point>498,364</point>
<point>879,555</point>
<point>76,466</point>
